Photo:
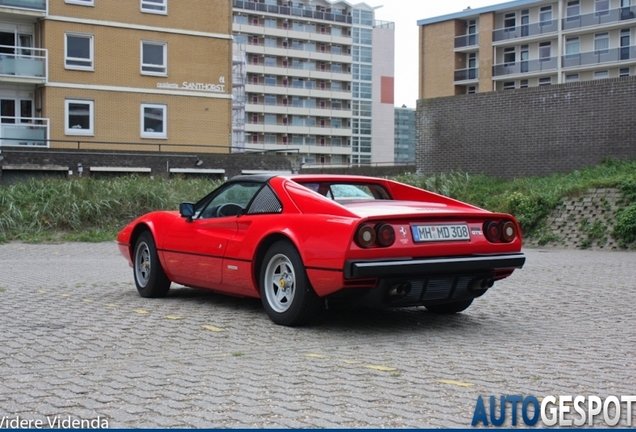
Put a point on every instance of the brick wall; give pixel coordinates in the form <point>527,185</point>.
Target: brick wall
<point>528,132</point>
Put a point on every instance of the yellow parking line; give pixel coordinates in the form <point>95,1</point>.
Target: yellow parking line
<point>174,317</point>
<point>381,368</point>
<point>315,355</point>
<point>87,300</point>
<point>111,305</point>
<point>457,383</point>
<point>65,295</point>
<point>141,311</point>
<point>212,328</point>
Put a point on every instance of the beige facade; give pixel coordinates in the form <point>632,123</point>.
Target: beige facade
<point>127,75</point>
<point>526,43</point>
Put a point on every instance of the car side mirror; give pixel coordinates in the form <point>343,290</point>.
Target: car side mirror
<point>186,210</point>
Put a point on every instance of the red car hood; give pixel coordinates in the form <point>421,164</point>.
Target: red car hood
<point>371,209</point>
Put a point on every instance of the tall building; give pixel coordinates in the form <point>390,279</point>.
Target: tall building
<point>318,74</point>
<point>404,135</point>
<point>526,43</point>
<point>143,75</point>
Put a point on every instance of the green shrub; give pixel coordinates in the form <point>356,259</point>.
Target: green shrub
<point>625,227</point>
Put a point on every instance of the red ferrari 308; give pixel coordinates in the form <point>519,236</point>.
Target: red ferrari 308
<point>297,241</point>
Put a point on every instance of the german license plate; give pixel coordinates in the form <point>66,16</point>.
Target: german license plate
<point>424,233</point>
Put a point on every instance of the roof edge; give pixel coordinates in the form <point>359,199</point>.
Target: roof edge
<point>469,13</point>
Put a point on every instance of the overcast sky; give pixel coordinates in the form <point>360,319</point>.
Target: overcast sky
<point>405,14</point>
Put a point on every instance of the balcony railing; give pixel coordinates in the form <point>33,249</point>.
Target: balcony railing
<point>26,62</point>
<point>599,56</point>
<point>292,11</point>
<point>39,5</point>
<point>467,74</point>
<point>296,105</point>
<point>298,86</point>
<point>22,132</point>
<point>318,31</point>
<point>526,66</point>
<point>601,17</point>
<point>466,40</point>
<point>525,30</point>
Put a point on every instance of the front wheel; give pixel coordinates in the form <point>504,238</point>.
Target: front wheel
<point>449,308</point>
<point>286,293</point>
<point>150,278</point>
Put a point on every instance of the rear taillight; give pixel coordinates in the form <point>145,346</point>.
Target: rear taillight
<point>500,232</point>
<point>492,231</point>
<point>365,237</point>
<point>382,235</point>
<point>385,234</point>
<point>508,231</point>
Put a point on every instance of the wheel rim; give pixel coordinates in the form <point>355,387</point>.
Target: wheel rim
<point>142,264</point>
<point>280,283</point>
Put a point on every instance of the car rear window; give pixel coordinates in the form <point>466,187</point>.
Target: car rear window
<point>348,192</point>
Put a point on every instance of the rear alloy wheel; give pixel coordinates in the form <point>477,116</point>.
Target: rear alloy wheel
<point>150,278</point>
<point>286,293</point>
<point>449,308</point>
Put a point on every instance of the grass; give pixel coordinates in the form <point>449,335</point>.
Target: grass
<point>95,210</point>
<point>87,209</point>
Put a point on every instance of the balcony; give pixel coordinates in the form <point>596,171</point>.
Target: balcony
<point>31,5</point>
<point>526,30</point>
<point>466,41</point>
<point>527,66</point>
<point>300,148</point>
<point>28,65</point>
<point>599,56</point>
<point>292,11</point>
<point>28,132</point>
<point>467,74</point>
<point>599,18</point>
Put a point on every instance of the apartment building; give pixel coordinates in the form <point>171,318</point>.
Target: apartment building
<point>526,43</point>
<point>404,135</point>
<point>319,74</point>
<point>142,75</point>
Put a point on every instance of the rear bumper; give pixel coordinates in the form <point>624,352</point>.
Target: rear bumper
<point>357,269</point>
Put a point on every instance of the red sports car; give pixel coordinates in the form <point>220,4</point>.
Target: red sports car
<point>297,241</point>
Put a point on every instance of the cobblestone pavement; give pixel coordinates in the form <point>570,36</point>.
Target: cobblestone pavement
<point>76,340</point>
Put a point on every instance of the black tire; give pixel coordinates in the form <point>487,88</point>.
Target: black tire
<point>449,308</point>
<point>150,278</point>
<point>286,293</point>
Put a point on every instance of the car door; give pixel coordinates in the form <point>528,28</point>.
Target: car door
<point>194,250</point>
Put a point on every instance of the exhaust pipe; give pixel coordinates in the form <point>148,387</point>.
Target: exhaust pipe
<point>399,290</point>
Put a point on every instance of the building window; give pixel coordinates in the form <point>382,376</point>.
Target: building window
<point>154,58</point>
<point>509,56</point>
<point>601,43</point>
<point>79,117</point>
<point>623,72</point>
<point>270,119</point>
<point>270,42</point>
<point>271,22</point>
<point>545,15</point>
<point>240,19</point>
<point>510,20</point>
<point>81,2</point>
<point>270,61</point>
<point>601,7</point>
<point>79,51</point>
<point>571,77</point>
<point>601,74</point>
<point>573,10</point>
<point>523,83</point>
<point>155,6</point>
<point>545,50</point>
<point>572,46</point>
<point>471,89</point>
<point>509,85</point>
<point>153,121</point>
<point>545,81</point>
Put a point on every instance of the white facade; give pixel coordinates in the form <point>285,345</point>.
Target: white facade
<point>300,90</point>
